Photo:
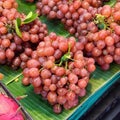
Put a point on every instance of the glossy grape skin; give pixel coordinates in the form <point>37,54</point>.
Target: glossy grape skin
<point>57,108</point>
<point>25,81</point>
<point>52,97</point>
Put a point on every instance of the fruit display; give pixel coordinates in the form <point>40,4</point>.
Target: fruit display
<point>58,67</point>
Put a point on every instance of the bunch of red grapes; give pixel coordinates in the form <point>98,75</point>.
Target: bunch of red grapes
<point>76,15</point>
<point>59,71</point>
<point>104,45</point>
<point>15,50</point>
<point>79,18</point>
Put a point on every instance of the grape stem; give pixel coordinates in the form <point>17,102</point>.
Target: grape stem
<point>66,65</point>
<point>66,56</point>
<point>101,21</point>
<point>10,28</point>
<point>41,69</point>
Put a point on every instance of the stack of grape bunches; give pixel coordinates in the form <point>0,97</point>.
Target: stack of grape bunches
<point>59,68</point>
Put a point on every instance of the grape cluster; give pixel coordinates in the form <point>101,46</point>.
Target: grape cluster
<point>12,47</point>
<point>59,71</point>
<point>82,18</point>
<point>76,15</point>
<point>104,45</point>
<point>104,48</point>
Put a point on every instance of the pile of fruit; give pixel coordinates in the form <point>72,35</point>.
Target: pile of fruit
<point>96,26</point>
<point>59,71</point>
<point>59,68</point>
<point>18,35</point>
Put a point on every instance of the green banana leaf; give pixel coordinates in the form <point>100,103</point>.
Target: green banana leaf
<point>40,109</point>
